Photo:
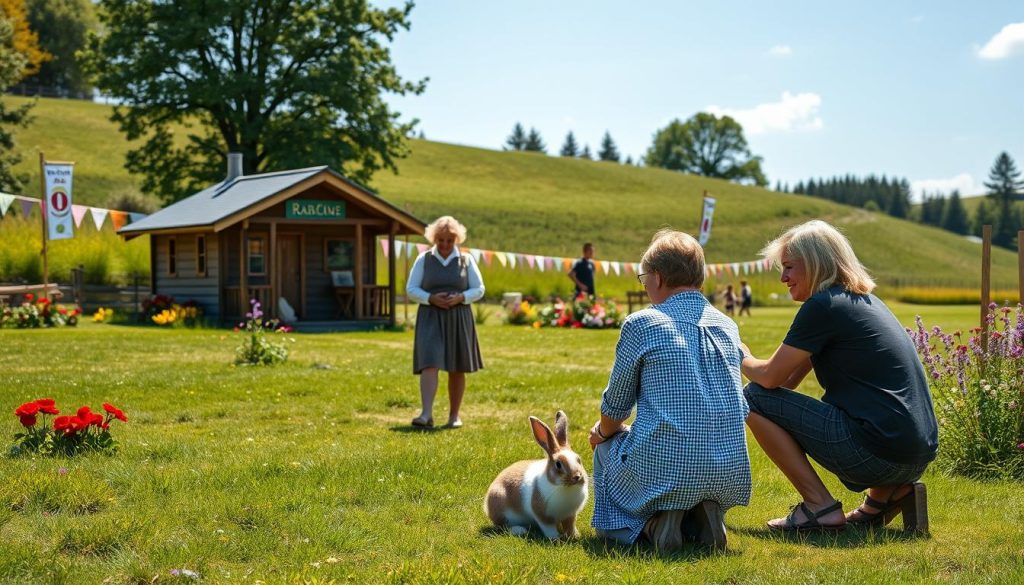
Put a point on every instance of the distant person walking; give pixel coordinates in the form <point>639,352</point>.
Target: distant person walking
<point>444,282</point>
<point>582,272</point>
<point>746,297</point>
<point>730,301</point>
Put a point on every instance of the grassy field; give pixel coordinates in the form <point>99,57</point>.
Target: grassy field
<point>310,472</point>
<point>533,204</point>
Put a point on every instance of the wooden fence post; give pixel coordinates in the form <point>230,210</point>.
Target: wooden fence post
<point>986,277</point>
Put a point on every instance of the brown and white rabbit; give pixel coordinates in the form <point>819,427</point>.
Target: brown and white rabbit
<point>547,493</point>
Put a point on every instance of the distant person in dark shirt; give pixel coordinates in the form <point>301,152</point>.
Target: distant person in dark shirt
<point>746,297</point>
<point>582,272</point>
<point>875,426</point>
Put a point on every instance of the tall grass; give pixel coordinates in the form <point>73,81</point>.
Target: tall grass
<point>105,257</point>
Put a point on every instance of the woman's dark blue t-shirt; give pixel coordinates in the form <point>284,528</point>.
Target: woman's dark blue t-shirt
<point>868,366</point>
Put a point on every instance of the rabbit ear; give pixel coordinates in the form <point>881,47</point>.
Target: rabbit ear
<point>562,429</point>
<point>542,433</point>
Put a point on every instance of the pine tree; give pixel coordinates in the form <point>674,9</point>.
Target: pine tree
<point>629,160</point>
<point>954,216</point>
<point>899,204</point>
<point>984,215</point>
<point>517,139</point>
<point>570,148</point>
<point>534,143</point>
<point>585,153</point>
<point>1005,187</point>
<point>608,151</point>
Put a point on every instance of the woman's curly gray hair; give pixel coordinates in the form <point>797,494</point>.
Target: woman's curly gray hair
<point>446,223</point>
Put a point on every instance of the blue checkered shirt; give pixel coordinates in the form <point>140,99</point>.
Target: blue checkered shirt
<point>678,363</point>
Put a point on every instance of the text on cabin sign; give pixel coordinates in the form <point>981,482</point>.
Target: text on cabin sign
<point>314,209</point>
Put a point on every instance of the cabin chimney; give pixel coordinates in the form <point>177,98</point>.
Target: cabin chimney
<point>234,166</point>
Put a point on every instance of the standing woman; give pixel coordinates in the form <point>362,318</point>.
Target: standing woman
<point>874,427</point>
<point>444,282</point>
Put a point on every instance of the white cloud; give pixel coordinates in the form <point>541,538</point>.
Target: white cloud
<point>963,182</point>
<point>780,51</point>
<point>1005,43</point>
<point>792,113</point>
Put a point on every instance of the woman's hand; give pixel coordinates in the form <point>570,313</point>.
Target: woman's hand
<point>440,300</point>
<point>455,299</point>
<point>595,435</point>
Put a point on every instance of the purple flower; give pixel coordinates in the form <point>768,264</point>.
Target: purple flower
<point>1020,445</point>
<point>62,471</point>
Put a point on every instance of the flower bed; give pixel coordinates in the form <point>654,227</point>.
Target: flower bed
<point>580,313</point>
<point>35,312</point>
<point>83,431</point>
<point>978,394</point>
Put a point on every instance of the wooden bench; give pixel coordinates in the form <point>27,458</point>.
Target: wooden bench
<point>636,297</point>
<point>12,294</point>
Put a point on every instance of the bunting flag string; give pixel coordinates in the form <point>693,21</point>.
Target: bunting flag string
<point>542,263</point>
<point>118,219</point>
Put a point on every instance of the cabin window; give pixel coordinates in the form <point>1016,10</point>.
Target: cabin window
<point>257,256</point>
<point>172,257</point>
<point>200,255</point>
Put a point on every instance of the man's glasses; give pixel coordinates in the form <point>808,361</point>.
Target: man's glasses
<point>640,277</point>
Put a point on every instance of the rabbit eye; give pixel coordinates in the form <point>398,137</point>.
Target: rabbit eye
<point>558,465</point>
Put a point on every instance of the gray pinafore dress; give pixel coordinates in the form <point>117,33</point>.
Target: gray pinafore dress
<point>446,339</point>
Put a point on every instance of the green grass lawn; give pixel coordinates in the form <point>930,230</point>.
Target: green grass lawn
<point>309,472</point>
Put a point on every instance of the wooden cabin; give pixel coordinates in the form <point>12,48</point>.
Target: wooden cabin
<point>307,236</point>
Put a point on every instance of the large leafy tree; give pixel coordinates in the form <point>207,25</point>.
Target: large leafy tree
<point>706,145</point>
<point>288,83</point>
<point>23,40</point>
<point>63,27</point>
<point>13,64</point>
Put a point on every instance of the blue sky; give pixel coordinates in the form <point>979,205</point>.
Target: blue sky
<point>930,91</point>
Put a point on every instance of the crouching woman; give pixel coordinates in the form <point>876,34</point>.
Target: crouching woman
<point>671,475</point>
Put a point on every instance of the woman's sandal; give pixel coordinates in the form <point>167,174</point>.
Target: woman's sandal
<point>913,505</point>
<point>811,524</point>
<point>425,423</point>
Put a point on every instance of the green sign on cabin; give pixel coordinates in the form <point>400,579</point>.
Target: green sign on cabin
<point>314,209</point>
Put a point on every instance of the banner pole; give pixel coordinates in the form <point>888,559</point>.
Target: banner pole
<point>42,212</point>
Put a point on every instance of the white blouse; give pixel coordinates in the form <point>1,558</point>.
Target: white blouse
<point>414,289</point>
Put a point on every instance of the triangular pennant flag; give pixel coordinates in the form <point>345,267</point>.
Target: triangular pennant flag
<point>603,264</point>
<point>617,268</point>
<point>134,217</point>
<point>736,268</point>
<point>550,262</point>
<point>26,207</point>
<point>530,260</point>
<point>421,248</point>
<point>5,202</point>
<point>566,264</point>
<point>511,259</point>
<point>78,213</point>
<point>384,247</point>
<point>118,218</point>
<point>98,217</point>
<point>501,258</point>
<point>487,254</point>
<point>542,263</point>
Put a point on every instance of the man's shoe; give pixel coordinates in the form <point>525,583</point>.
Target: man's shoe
<point>710,521</point>
<point>664,530</point>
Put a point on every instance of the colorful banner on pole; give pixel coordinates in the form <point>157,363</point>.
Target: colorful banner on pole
<point>705,223</point>
<point>59,219</point>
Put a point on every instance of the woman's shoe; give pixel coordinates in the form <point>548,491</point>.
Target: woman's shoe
<point>454,423</point>
<point>811,523</point>
<point>710,521</point>
<point>425,423</point>
<point>913,505</point>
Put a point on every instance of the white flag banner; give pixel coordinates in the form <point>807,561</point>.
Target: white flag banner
<point>705,223</point>
<point>5,202</point>
<point>99,215</point>
<point>59,220</point>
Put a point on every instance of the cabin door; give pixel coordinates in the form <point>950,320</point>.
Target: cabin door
<point>289,270</point>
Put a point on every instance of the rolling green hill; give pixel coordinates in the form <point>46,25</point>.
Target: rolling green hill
<point>535,204</point>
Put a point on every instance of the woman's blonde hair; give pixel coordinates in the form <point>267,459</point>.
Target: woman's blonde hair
<point>826,254</point>
<point>445,223</point>
<point>677,257</point>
